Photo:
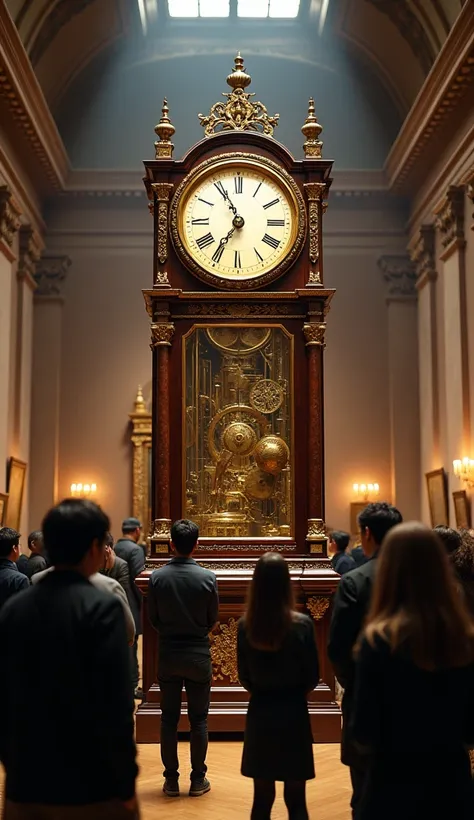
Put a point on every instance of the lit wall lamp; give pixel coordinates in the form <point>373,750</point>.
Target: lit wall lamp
<point>83,490</point>
<point>365,492</point>
<point>464,469</point>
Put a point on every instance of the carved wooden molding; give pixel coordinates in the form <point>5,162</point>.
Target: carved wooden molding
<point>423,256</point>
<point>224,651</point>
<point>9,220</point>
<point>30,251</point>
<point>450,217</point>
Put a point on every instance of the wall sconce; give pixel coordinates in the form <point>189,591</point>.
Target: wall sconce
<point>83,490</point>
<point>464,469</point>
<point>364,492</point>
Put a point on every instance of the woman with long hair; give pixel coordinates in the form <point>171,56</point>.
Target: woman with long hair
<point>278,665</point>
<point>414,698</point>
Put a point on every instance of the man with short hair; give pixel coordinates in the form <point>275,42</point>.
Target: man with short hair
<point>36,562</point>
<point>11,580</point>
<point>115,567</point>
<point>351,604</point>
<point>73,650</point>
<point>451,539</point>
<point>129,550</point>
<point>338,543</point>
<point>183,606</point>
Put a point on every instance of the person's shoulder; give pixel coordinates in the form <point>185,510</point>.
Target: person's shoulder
<point>121,563</point>
<point>302,623</point>
<point>205,572</point>
<point>104,582</point>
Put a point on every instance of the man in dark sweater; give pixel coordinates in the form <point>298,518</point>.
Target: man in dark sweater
<point>36,562</point>
<point>11,580</point>
<point>338,543</point>
<point>128,549</point>
<point>351,604</point>
<point>73,648</point>
<point>183,607</point>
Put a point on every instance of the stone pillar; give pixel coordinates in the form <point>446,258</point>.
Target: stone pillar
<point>423,255</point>
<point>450,223</point>
<point>400,276</point>
<point>47,337</point>
<point>9,225</point>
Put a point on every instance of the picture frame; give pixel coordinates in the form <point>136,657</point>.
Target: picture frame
<point>436,483</point>
<point>3,508</point>
<point>356,509</point>
<point>16,488</point>
<point>462,510</point>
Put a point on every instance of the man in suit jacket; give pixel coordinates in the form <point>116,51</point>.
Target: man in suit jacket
<point>36,562</point>
<point>357,553</point>
<point>73,652</point>
<point>11,580</point>
<point>115,567</point>
<point>129,550</point>
<point>341,561</point>
<point>183,607</point>
<point>351,604</point>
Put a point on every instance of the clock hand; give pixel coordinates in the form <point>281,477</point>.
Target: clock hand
<point>238,221</point>
<point>225,239</point>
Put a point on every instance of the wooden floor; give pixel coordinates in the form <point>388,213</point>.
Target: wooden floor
<point>231,794</point>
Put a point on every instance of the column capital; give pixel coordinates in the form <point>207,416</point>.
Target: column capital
<point>423,255</point>
<point>9,220</point>
<point>50,274</point>
<point>470,193</point>
<point>161,334</point>
<point>450,217</point>
<point>30,252</point>
<point>399,273</point>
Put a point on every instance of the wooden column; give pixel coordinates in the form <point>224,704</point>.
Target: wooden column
<point>161,336</point>
<point>316,537</point>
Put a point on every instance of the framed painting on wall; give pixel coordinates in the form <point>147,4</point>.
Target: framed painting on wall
<point>438,497</point>
<point>3,508</point>
<point>462,510</point>
<point>356,509</point>
<point>16,487</point>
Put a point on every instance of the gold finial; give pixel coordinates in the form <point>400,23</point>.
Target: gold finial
<point>164,131</point>
<point>139,407</point>
<point>311,130</point>
<point>239,113</point>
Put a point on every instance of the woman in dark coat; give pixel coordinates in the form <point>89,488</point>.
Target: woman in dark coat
<point>278,665</point>
<point>414,697</point>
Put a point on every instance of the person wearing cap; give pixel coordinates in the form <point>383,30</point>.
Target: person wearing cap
<point>130,551</point>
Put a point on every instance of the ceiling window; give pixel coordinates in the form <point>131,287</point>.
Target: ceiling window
<point>268,8</point>
<point>277,9</point>
<point>199,8</point>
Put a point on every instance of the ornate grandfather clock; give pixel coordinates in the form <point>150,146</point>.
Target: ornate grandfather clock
<point>238,310</point>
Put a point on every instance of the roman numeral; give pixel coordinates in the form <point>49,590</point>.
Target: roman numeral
<point>276,223</point>
<point>204,220</point>
<point>237,259</point>
<point>205,240</point>
<point>260,258</point>
<point>270,240</point>
<point>271,204</point>
<point>257,188</point>
<point>238,185</point>
<point>216,256</point>
<point>206,202</point>
<point>220,188</point>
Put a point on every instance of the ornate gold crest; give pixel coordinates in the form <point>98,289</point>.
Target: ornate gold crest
<point>239,113</point>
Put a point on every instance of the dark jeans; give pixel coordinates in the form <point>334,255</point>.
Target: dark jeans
<point>294,793</point>
<point>134,663</point>
<point>195,674</point>
<point>358,780</point>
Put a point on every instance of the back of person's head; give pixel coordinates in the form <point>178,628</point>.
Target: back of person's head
<point>35,539</point>
<point>462,559</point>
<point>377,519</point>
<point>416,606</point>
<point>269,612</point>
<point>450,538</point>
<point>184,536</point>
<point>109,540</point>
<point>131,526</point>
<point>341,539</point>
<point>71,528</point>
<point>9,539</point>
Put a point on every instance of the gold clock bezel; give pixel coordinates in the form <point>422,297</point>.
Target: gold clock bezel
<point>268,168</point>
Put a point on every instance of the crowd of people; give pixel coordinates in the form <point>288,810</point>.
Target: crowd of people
<point>401,643</point>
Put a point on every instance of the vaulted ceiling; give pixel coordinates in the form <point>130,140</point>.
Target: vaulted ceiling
<point>397,39</point>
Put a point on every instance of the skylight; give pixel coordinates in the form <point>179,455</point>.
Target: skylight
<point>245,8</point>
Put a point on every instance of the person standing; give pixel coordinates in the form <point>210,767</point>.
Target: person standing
<point>115,567</point>
<point>351,603</point>
<point>278,665</point>
<point>36,561</point>
<point>341,561</point>
<point>130,551</point>
<point>11,580</point>
<point>73,650</point>
<point>183,606</point>
<point>413,705</point>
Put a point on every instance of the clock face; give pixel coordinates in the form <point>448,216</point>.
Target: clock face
<point>237,222</point>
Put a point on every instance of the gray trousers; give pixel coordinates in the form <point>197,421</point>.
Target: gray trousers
<point>109,810</point>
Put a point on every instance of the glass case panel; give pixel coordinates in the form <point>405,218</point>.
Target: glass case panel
<point>238,427</point>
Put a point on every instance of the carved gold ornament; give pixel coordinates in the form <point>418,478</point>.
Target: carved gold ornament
<point>161,334</point>
<point>314,193</point>
<point>240,438</point>
<point>164,131</point>
<point>267,396</point>
<point>161,528</point>
<point>316,528</point>
<point>258,484</point>
<point>239,113</point>
<point>162,192</point>
<point>311,130</point>
<point>162,280</point>
<point>272,454</point>
<point>314,279</point>
<point>224,651</point>
<point>233,409</point>
<point>318,607</point>
<point>314,334</point>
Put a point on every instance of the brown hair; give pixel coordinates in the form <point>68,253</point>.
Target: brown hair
<point>269,611</point>
<point>415,604</point>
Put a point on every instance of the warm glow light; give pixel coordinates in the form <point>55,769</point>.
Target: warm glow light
<point>73,488</point>
<point>464,469</point>
<point>83,489</point>
<point>366,491</point>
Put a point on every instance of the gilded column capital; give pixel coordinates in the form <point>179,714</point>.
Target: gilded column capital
<point>450,216</point>
<point>30,252</point>
<point>315,191</point>
<point>314,334</point>
<point>399,273</point>
<point>162,190</point>
<point>161,334</point>
<point>51,270</point>
<point>423,255</point>
<point>9,216</point>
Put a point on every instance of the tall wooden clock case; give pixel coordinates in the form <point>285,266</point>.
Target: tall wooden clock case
<point>238,315</point>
